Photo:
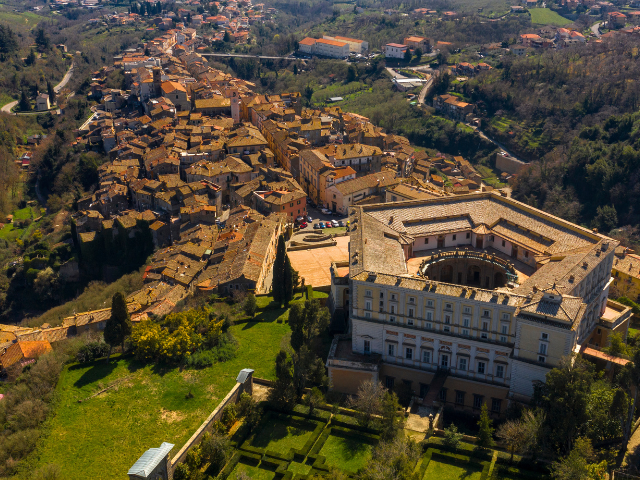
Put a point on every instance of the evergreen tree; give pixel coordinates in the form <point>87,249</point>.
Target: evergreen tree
<point>25,104</point>
<point>118,326</point>
<point>418,53</point>
<point>31,58</point>
<point>295,69</point>
<point>283,394</point>
<point>278,271</point>
<point>407,55</point>
<point>51,92</point>
<point>485,435</point>
<point>8,41</point>
<point>392,423</point>
<point>226,38</point>
<point>41,39</point>
<point>289,283</point>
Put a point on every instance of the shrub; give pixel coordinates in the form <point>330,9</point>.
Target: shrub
<point>216,449</point>
<point>92,351</point>
<point>245,405</point>
<point>229,416</point>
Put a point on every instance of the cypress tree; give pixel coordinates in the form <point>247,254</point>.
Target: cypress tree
<point>24,104</point>
<point>288,280</point>
<point>485,433</point>
<point>118,326</point>
<point>51,92</point>
<point>278,271</point>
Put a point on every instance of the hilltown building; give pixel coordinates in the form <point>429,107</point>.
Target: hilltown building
<point>469,299</point>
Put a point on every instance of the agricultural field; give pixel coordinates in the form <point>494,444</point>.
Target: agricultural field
<point>545,16</point>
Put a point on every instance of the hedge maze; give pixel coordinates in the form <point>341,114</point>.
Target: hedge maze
<point>297,446</point>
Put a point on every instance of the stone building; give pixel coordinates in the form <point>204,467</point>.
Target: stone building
<point>468,299</point>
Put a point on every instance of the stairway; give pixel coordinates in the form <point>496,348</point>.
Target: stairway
<point>434,388</point>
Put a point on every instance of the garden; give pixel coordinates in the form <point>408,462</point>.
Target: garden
<point>300,444</point>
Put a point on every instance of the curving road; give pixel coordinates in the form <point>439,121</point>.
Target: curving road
<point>595,29</point>
<point>67,76</point>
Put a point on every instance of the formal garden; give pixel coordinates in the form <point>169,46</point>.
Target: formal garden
<point>333,443</point>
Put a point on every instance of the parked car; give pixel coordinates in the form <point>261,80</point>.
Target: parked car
<point>321,225</point>
<point>328,224</point>
<point>341,223</point>
<point>325,211</point>
<point>303,225</point>
<point>309,219</point>
<point>300,219</point>
<point>334,223</point>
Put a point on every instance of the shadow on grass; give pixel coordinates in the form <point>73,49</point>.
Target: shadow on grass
<point>98,370</point>
<point>275,432</point>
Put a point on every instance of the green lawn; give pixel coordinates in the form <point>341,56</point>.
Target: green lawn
<point>448,471</point>
<point>281,436</point>
<point>252,472</point>
<point>102,437</point>
<point>545,16</point>
<point>334,230</point>
<point>346,453</point>
<point>299,468</point>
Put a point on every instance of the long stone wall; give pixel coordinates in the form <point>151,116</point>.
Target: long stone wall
<point>232,397</point>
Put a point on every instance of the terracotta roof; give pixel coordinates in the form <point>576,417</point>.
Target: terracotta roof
<point>24,350</point>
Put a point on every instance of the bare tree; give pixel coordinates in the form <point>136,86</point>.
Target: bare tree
<point>368,401</point>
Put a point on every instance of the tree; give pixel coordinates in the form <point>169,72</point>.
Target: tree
<point>24,104</point>
<point>616,345</point>
<point>295,69</point>
<point>368,401</point>
<point>314,399</point>
<point>308,93</point>
<point>118,325</point>
<point>352,74</point>
<point>392,460</point>
<point>31,58</point>
<point>8,41</point>
<point>283,394</point>
<point>307,321</point>
<point>629,381</point>
<point>392,423</point>
<point>226,38</point>
<point>563,398</point>
<point>278,271</point>
<point>576,465</point>
<point>250,305</point>
<point>289,282</point>
<point>418,54</point>
<point>216,449</point>
<point>606,218</point>
<point>41,39</point>
<point>515,434</point>
<point>484,438</point>
<point>51,92</point>
<point>452,437</point>
<point>407,55</point>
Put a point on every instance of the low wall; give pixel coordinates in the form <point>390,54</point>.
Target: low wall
<point>232,397</point>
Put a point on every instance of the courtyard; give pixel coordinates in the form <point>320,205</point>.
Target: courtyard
<point>313,264</point>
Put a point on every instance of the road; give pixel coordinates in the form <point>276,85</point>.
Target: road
<point>67,76</point>
<point>595,29</point>
<point>65,80</point>
<point>259,57</point>
<point>425,90</point>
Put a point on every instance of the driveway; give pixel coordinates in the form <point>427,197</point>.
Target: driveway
<point>595,29</point>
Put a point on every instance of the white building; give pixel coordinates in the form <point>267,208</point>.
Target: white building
<point>326,48</point>
<point>355,45</point>
<point>42,102</point>
<point>394,50</point>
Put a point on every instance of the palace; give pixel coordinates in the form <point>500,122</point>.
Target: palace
<point>468,299</point>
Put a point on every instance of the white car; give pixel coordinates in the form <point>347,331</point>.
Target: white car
<point>334,223</point>
<point>326,211</point>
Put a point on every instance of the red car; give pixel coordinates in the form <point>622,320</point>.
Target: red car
<point>328,224</point>
<point>303,225</point>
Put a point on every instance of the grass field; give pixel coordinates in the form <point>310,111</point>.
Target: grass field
<point>346,453</point>
<point>103,436</point>
<point>9,232</point>
<point>545,16</point>
<point>281,436</point>
<point>448,471</point>
<point>252,472</point>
